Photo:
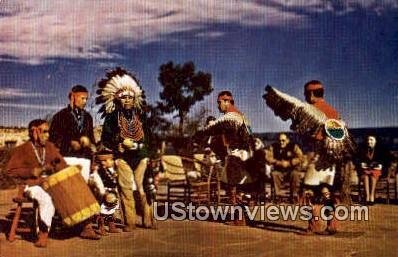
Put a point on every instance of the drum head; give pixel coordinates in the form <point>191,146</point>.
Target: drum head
<point>335,129</point>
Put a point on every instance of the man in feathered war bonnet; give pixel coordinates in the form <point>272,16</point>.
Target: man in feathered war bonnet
<point>122,99</point>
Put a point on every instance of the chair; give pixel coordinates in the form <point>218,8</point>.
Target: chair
<point>211,175</point>
<point>190,179</point>
<point>16,224</point>
<point>286,189</point>
<point>348,183</point>
<point>385,188</point>
<point>286,192</point>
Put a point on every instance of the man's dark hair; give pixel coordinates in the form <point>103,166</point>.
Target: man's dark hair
<point>374,135</point>
<point>312,82</point>
<point>227,93</point>
<point>317,92</point>
<point>35,123</point>
<point>78,89</point>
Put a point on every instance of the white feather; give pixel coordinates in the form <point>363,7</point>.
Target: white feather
<point>118,84</point>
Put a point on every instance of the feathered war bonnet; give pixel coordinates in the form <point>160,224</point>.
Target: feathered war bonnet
<point>118,83</point>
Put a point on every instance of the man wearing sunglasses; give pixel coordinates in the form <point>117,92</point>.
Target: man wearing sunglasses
<point>286,156</point>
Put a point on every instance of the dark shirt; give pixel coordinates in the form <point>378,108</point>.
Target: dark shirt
<point>285,154</point>
<point>111,138</point>
<point>372,158</point>
<point>288,153</point>
<point>66,126</point>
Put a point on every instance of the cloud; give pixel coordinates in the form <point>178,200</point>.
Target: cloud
<point>9,92</point>
<point>210,34</point>
<point>31,106</point>
<point>35,32</point>
<point>337,6</point>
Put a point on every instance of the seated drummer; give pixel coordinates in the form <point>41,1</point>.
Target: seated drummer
<point>30,163</point>
<point>109,199</point>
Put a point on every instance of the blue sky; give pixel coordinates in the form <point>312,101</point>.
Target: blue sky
<point>352,46</point>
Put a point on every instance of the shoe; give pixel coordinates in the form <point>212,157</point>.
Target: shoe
<point>332,226</point>
<point>237,222</point>
<point>112,228</point>
<point>323,233</point>
<point>147,216</point>
<point>101,226</point>
<point>42,241</point>
<point>331,231</point>
<point>89,233</point>
<point>129,228</point>
<point>307,232</point>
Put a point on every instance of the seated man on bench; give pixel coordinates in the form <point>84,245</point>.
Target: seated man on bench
<point>285,158</point>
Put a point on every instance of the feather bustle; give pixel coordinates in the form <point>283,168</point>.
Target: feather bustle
<point>307,120</point>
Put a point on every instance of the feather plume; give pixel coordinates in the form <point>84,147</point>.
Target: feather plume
<point>308,120</point>
<point>230,122</point>
<point>118,82</point>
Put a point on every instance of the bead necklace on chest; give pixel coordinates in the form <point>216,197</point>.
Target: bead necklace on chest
<point>42,159</point>
<point>130,128</point>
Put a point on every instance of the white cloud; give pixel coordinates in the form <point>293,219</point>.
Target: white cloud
<point>339,6</point>
<point>210,34</point>
<point>31,106</point>
<point>36,31</point>
<point>9,92</point>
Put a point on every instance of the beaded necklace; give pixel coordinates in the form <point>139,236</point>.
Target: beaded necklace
<point>41,160</point>
<point>130,129</point>
<point>79,118</point>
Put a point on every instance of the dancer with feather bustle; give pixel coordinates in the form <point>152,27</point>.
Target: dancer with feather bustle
<point>320,123</point>
<point>236,146</point>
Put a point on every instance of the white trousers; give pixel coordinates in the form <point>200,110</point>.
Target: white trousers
<point>315,177</point>
<point>95,181</point>
<point>46,206</point>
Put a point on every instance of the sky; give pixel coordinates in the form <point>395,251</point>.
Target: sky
<point>48,46</point>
